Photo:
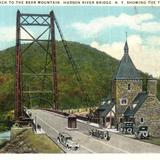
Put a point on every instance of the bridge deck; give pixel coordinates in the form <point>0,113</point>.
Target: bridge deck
<point>52,124</point>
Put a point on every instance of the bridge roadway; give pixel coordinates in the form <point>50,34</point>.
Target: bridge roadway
<point>53,123</point>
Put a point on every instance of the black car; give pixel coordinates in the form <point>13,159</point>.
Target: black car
<point>141,132</point>
<point>127,128</point>
<point>100,133</point>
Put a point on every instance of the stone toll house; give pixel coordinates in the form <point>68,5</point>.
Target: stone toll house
<point>129,102</point>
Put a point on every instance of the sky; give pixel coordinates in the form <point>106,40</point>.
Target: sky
<point>101,27</point>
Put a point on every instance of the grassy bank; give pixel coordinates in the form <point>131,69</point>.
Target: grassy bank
<point>41,143</point>
<point>29,142</point>
<point>5,119</point>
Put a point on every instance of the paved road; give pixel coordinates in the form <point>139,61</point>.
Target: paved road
<point>53,124</point>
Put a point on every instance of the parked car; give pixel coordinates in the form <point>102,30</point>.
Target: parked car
<point>67,141</point>
<point>141,132</point>
<point>127,128</point>
<point>100,133</point>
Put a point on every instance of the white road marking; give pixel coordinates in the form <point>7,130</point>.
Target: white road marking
<point>47,124</point>
<point>89,150</point>
<point>122,150</point>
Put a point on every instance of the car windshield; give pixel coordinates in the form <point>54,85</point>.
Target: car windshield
<point>68,138</point>
<point>102,131</point>
<point>143,128</point>
<point>129,124</point>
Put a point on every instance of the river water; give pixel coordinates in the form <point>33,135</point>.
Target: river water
<point>4,136</point>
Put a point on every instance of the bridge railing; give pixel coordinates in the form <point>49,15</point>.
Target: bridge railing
<point>90,119</point>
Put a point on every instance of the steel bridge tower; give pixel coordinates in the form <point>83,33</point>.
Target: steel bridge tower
<point>34,20</point>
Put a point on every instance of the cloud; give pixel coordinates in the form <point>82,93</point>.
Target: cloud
<point>8,35</point>
<point>139,22</point>
<point>145,53</point>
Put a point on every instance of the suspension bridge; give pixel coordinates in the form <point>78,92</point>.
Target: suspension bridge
<point>45,24</point>
<point>54,121</point>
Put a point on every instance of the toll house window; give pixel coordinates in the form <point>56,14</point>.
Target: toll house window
<point>142,120</point>
<point>129,87</point>
<point>123,101</point>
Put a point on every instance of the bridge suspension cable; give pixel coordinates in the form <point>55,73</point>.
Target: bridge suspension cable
<point>73,64</point>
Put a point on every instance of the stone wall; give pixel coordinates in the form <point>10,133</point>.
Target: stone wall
<point>150,111</point>
<point>152,86</point>
<point>121,90</point>
<point>113,89</point>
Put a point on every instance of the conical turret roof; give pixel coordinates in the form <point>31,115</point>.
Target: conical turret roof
<point>126,69</point>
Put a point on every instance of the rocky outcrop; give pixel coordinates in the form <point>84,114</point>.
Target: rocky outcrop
<point>17,145</point>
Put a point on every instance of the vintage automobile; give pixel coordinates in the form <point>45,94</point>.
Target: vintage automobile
<point>100,133</point>
<point>66,140</point>
<point>127,128</point>
<point>141,132</point>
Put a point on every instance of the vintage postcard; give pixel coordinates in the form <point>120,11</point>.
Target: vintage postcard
<point>79,77</point>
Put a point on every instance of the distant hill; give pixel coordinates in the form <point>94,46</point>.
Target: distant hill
<point>95,67</point>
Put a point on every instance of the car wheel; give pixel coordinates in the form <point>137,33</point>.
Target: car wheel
<point>145,134</point>
<point>121,130</point>
<point>129,130</point>
<point>58,140</point>
<point>68,147</point>
<point>76,148</point>
<point>108,138</point>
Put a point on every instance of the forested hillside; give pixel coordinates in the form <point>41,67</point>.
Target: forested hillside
<point>96,69</point>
